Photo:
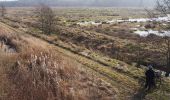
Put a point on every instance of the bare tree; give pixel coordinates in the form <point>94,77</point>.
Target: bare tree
<point>163,8</point>
<point>2,10</point>
<point>46,19</point>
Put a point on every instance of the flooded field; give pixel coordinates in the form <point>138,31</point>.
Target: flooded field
<point>137,30</point>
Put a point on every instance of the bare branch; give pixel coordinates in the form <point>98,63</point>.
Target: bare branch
<point>2,11</point>
<point>47,20</point>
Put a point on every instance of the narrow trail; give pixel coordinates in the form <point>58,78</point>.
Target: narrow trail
<point>125,84</point>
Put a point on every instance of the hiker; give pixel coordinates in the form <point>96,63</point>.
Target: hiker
<point>150,78</point>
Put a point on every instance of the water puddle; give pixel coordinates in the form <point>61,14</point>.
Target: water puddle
<point>89,23</point>
<point>148,32</point>
<point>7,46</point>
<point>137,20</point>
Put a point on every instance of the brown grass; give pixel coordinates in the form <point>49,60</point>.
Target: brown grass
<point>36,72</point>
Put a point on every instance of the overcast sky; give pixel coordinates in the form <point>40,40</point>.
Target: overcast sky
<point>105,3</point>
<point>8,0</point>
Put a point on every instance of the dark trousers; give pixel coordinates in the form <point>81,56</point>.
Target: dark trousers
<point>149,83</point>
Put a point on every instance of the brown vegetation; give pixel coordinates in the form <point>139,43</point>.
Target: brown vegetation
<point>37,72</point>
<point>46,19</point>
<point>97,44</point>
<point>115,40</point>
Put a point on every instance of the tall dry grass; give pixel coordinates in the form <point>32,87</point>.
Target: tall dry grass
<point>36,72</point>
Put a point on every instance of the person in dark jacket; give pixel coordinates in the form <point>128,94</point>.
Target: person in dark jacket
<point>150,78</point>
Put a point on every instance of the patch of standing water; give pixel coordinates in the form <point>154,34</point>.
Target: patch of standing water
<point>89,23</point>
<point>148,32</point>
<point>158,19</point>
<point>6,48</point>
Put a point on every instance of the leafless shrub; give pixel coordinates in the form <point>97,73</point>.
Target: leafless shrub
<point>2,11</point>
<point>163,6</point>
<point>47,20</point>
